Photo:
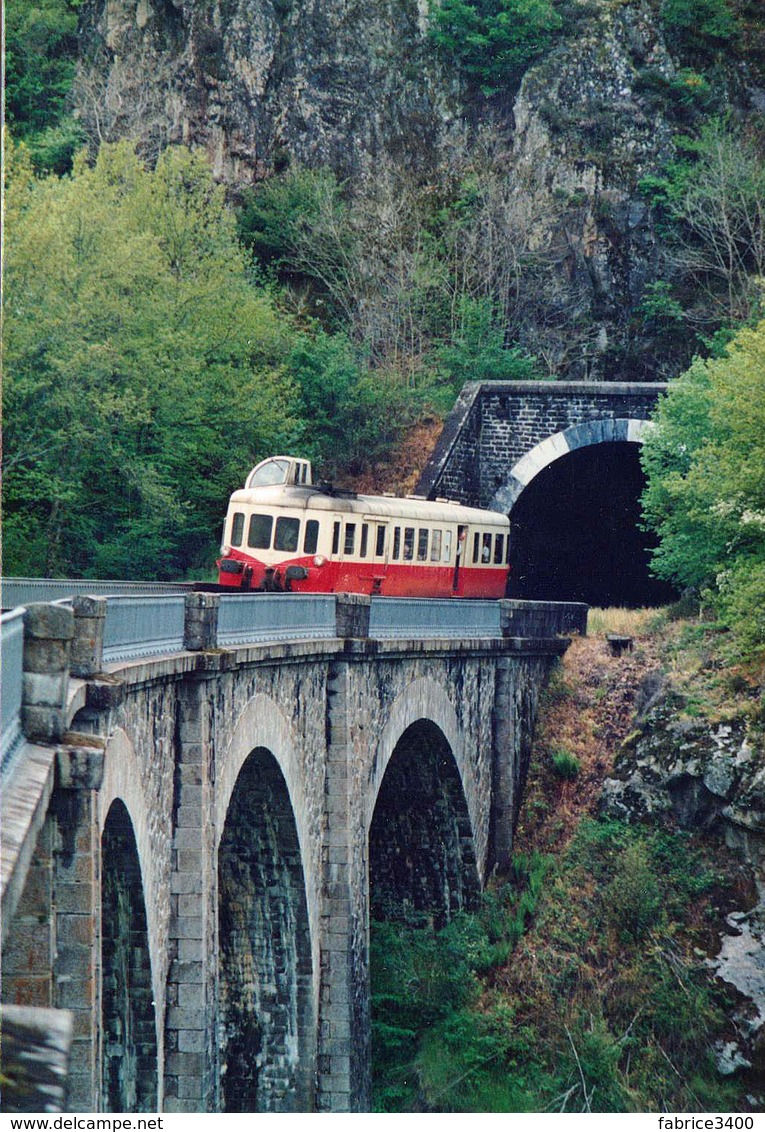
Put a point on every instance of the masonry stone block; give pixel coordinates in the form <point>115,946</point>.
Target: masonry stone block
<point>200,631</point>
<point>88,642</point>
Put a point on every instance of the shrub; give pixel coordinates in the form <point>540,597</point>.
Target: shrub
<point>565,764</point>
<point>633,896</point>
<point>494,41</point>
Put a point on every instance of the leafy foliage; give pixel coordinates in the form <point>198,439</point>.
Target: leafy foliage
<point>495,40</point>
<point>705,495</point>
<point>41,42</point>
<point>584,1002</point>
<point>143,371</point>
<point>700,27</point>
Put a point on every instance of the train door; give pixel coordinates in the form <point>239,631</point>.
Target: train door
<point>459,561</point>
<point>376,547</point>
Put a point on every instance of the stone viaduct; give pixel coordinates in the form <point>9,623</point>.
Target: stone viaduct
<point>502,434</point>
<point>194,842</point>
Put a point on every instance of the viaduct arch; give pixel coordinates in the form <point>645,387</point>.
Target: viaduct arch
<point>205,821</point>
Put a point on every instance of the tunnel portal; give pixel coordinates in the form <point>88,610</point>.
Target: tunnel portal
<point>576,532</point>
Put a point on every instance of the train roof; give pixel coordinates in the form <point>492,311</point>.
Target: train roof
<point>301,498</point>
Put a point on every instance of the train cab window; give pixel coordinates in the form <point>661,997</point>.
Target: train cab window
<point>476,547</point>
<point>380,545</point>
<point>269,474</point>
<point>364,540</point>
<point>311,537</point>
<point>396,543</point>
<point>486,548</point>
<point>408,544</point>
<point>237,528</point>
<point>422,544</point>
<point>447,546</point>
<point>507,552</point>
<point>335,538</point>
<point>287,534</point>
<point>259,534</point>
<point>499,549</point>
<point>435,546</point>
<point>350,538</point>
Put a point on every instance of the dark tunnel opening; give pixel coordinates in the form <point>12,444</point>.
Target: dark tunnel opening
<point>576,534</point>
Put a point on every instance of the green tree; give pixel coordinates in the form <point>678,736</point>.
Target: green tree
<point>494,41</point>
<point>699,27</point>
<point>41,46</point>
<point>705,495</point>
<point>143,372</point>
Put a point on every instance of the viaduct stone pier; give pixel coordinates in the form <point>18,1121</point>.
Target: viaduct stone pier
<point>502,434</point>
<point>197,830</point>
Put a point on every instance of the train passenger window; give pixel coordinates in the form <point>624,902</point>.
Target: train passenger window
<point>486,548</point>
<point>447,546</point>
<point>396,542</point>
<point>364,537</point>
<point>259,534</point>
<point>476,547</point>
<point>350,538</point>
<point>435,546</point>
<point>499,549</point>
<point>237,528</point>
<point>507,552</point>
<point>408,544</point>
<point>311,537</point>
<point>380,546</point>
<point>335,538</point>
<point>422,544</point>
<point>287,533</point>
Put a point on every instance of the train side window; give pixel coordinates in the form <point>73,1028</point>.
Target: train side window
<point>364,538</point>
<point>335,538</point>
<point>507,552</point>
<point>259,534</point>
<point>447,546</point>
<point>435,546</point>
<point>287,534</point>
<point>486,548</point>
<point>237,528</point>
<point>380,546</point>
<point>311,537</point>
<point>476,547</point>
<point>499,549</point>
<point>350,538</point>
<point>396,542</point>
<point>422,544</point>
<point>408,544</point>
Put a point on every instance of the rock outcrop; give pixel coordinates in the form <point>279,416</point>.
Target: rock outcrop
<point>704,776</point>
<point>360,88</point>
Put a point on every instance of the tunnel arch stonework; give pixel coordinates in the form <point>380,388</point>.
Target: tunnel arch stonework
<point>167,740</point>
<point>500,434</point>
<point>546,452</point>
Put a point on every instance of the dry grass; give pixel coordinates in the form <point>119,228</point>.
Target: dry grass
<point>626,622</point>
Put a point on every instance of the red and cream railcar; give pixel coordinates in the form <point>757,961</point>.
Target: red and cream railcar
<point>282,532</point>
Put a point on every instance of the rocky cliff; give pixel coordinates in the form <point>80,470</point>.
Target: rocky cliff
<point>360,87</point>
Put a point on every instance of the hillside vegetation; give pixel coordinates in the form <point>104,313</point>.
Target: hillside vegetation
<point>583,983</point>
<point>598,213</point>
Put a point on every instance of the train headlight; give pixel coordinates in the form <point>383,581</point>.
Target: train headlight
<point>225,550</point>
<point>319,560</point>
